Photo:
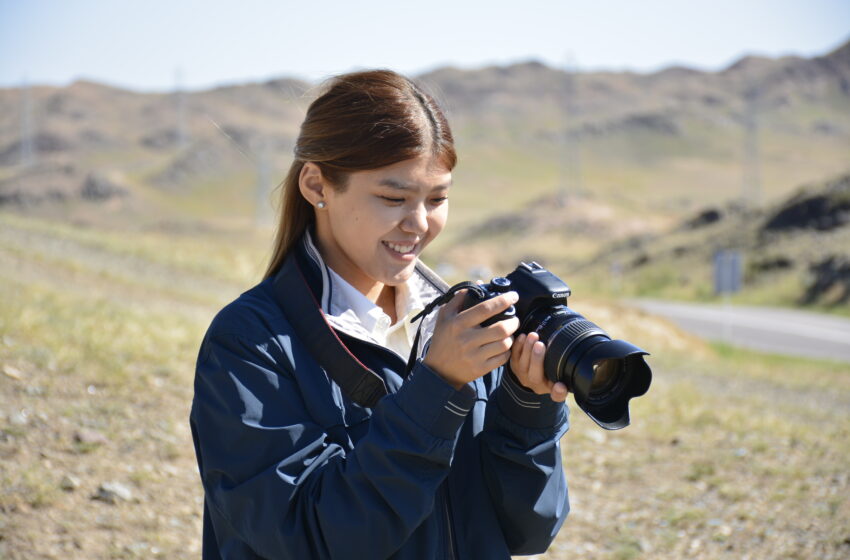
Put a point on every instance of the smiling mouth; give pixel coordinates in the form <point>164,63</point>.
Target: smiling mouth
<point>405,249</point>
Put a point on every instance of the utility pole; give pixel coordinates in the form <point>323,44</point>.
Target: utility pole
<point>751,188</point>
<point>570,160</point>
<point>181,132</point>
<point>27,147</point>
<point>263,210</point>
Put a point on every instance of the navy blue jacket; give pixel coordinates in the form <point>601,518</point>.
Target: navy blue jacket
<point>293,469</point>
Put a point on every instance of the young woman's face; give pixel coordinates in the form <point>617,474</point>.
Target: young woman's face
<point>372,232</point>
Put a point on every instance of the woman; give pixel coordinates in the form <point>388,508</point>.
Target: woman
<point>315,437</point>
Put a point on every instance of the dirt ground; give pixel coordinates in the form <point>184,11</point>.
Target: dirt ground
<point>730,455</point>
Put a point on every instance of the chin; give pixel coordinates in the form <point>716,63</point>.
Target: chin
<point>401,276</point>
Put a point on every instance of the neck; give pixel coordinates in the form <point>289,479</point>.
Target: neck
<point>386,301</point>
<point>379,293</point>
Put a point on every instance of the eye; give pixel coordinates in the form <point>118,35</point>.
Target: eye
<point>391,200</point>
<point>439,200</point>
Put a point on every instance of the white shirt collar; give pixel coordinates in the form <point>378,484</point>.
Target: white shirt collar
<point>348,302</point>
<point>347,309</point>
<point>354,312</point>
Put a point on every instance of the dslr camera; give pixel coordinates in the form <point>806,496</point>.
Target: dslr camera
<point>603,374</point>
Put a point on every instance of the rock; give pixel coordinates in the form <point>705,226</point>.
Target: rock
<point>39,183</point>
<point>41,143</point>
<point>112,493</point>
<point>69,483</point>
<point>704,218</point>
<point>138,549</point>
<point>34,391</point>
<point>596,436</point>
<point>164,139</point>
<point>19,418</point>
<point>13,372</point>
<point>815,208</point>
<point>96,188</point>
<point>770,264</point>
<point>830,281</point>
<point>89,438</point>
<point>654,122</point>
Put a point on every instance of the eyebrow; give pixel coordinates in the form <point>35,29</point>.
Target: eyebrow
<point>401,185</point>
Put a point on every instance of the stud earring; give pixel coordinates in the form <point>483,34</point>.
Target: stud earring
<point>321,204</point>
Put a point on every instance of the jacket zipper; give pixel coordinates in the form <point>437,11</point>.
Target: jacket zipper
<point>448,516</point>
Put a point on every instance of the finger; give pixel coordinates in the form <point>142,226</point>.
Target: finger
<point>535,367</point>
<point>527,352</point>
<point>533,337</point>
<point>559,392</point>
<point>498,330</point>
<point>479,313</point>
<point>516,350</point>
<point>498,360</point>
<point>453,306</point>
<point>528,343</point>
<point>491,349</point>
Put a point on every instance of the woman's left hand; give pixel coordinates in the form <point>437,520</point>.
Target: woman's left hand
<point>527,364</point>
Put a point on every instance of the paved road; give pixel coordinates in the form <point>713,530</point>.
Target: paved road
<point>779,331</point>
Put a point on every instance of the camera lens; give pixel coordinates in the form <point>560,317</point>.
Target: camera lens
<point>603,374</point>
<point>606,373</point>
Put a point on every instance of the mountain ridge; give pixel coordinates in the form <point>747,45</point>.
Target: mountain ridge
<point>669,141</point>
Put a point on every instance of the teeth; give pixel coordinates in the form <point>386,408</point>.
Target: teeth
<point>400,248</point>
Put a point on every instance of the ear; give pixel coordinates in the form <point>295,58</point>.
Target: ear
<point>312,183</point>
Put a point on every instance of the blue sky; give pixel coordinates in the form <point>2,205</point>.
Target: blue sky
<point>146,45</point>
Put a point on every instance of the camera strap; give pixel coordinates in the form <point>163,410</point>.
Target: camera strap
<point>299,303</point>
<point>436,302</point>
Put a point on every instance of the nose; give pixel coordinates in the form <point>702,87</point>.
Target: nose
<point>416,220</point>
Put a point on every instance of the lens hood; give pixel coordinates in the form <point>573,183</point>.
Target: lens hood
<point>609,409</point>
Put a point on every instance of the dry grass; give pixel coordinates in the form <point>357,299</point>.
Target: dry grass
<point>731,454</point>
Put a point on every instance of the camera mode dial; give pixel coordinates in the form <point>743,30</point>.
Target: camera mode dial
<point>496,287</point>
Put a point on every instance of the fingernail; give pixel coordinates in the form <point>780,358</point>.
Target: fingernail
<point>539,347</point>
<point>513,297</point>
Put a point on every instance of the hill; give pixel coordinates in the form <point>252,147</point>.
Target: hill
<point>650,148</point>
<point>795,252</point>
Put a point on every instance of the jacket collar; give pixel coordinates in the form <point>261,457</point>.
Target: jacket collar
<point>422,287</point>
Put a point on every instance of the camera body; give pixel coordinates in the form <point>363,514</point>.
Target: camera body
<point>603,374</point>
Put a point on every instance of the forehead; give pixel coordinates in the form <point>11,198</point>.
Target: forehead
<point>422,173</point>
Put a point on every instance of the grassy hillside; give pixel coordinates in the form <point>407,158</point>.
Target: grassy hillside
<point>795,253</point>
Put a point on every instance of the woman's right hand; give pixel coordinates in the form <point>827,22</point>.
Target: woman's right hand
<point>461,350</point>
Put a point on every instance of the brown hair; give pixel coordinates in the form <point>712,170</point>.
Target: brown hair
<point>364,120</point>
